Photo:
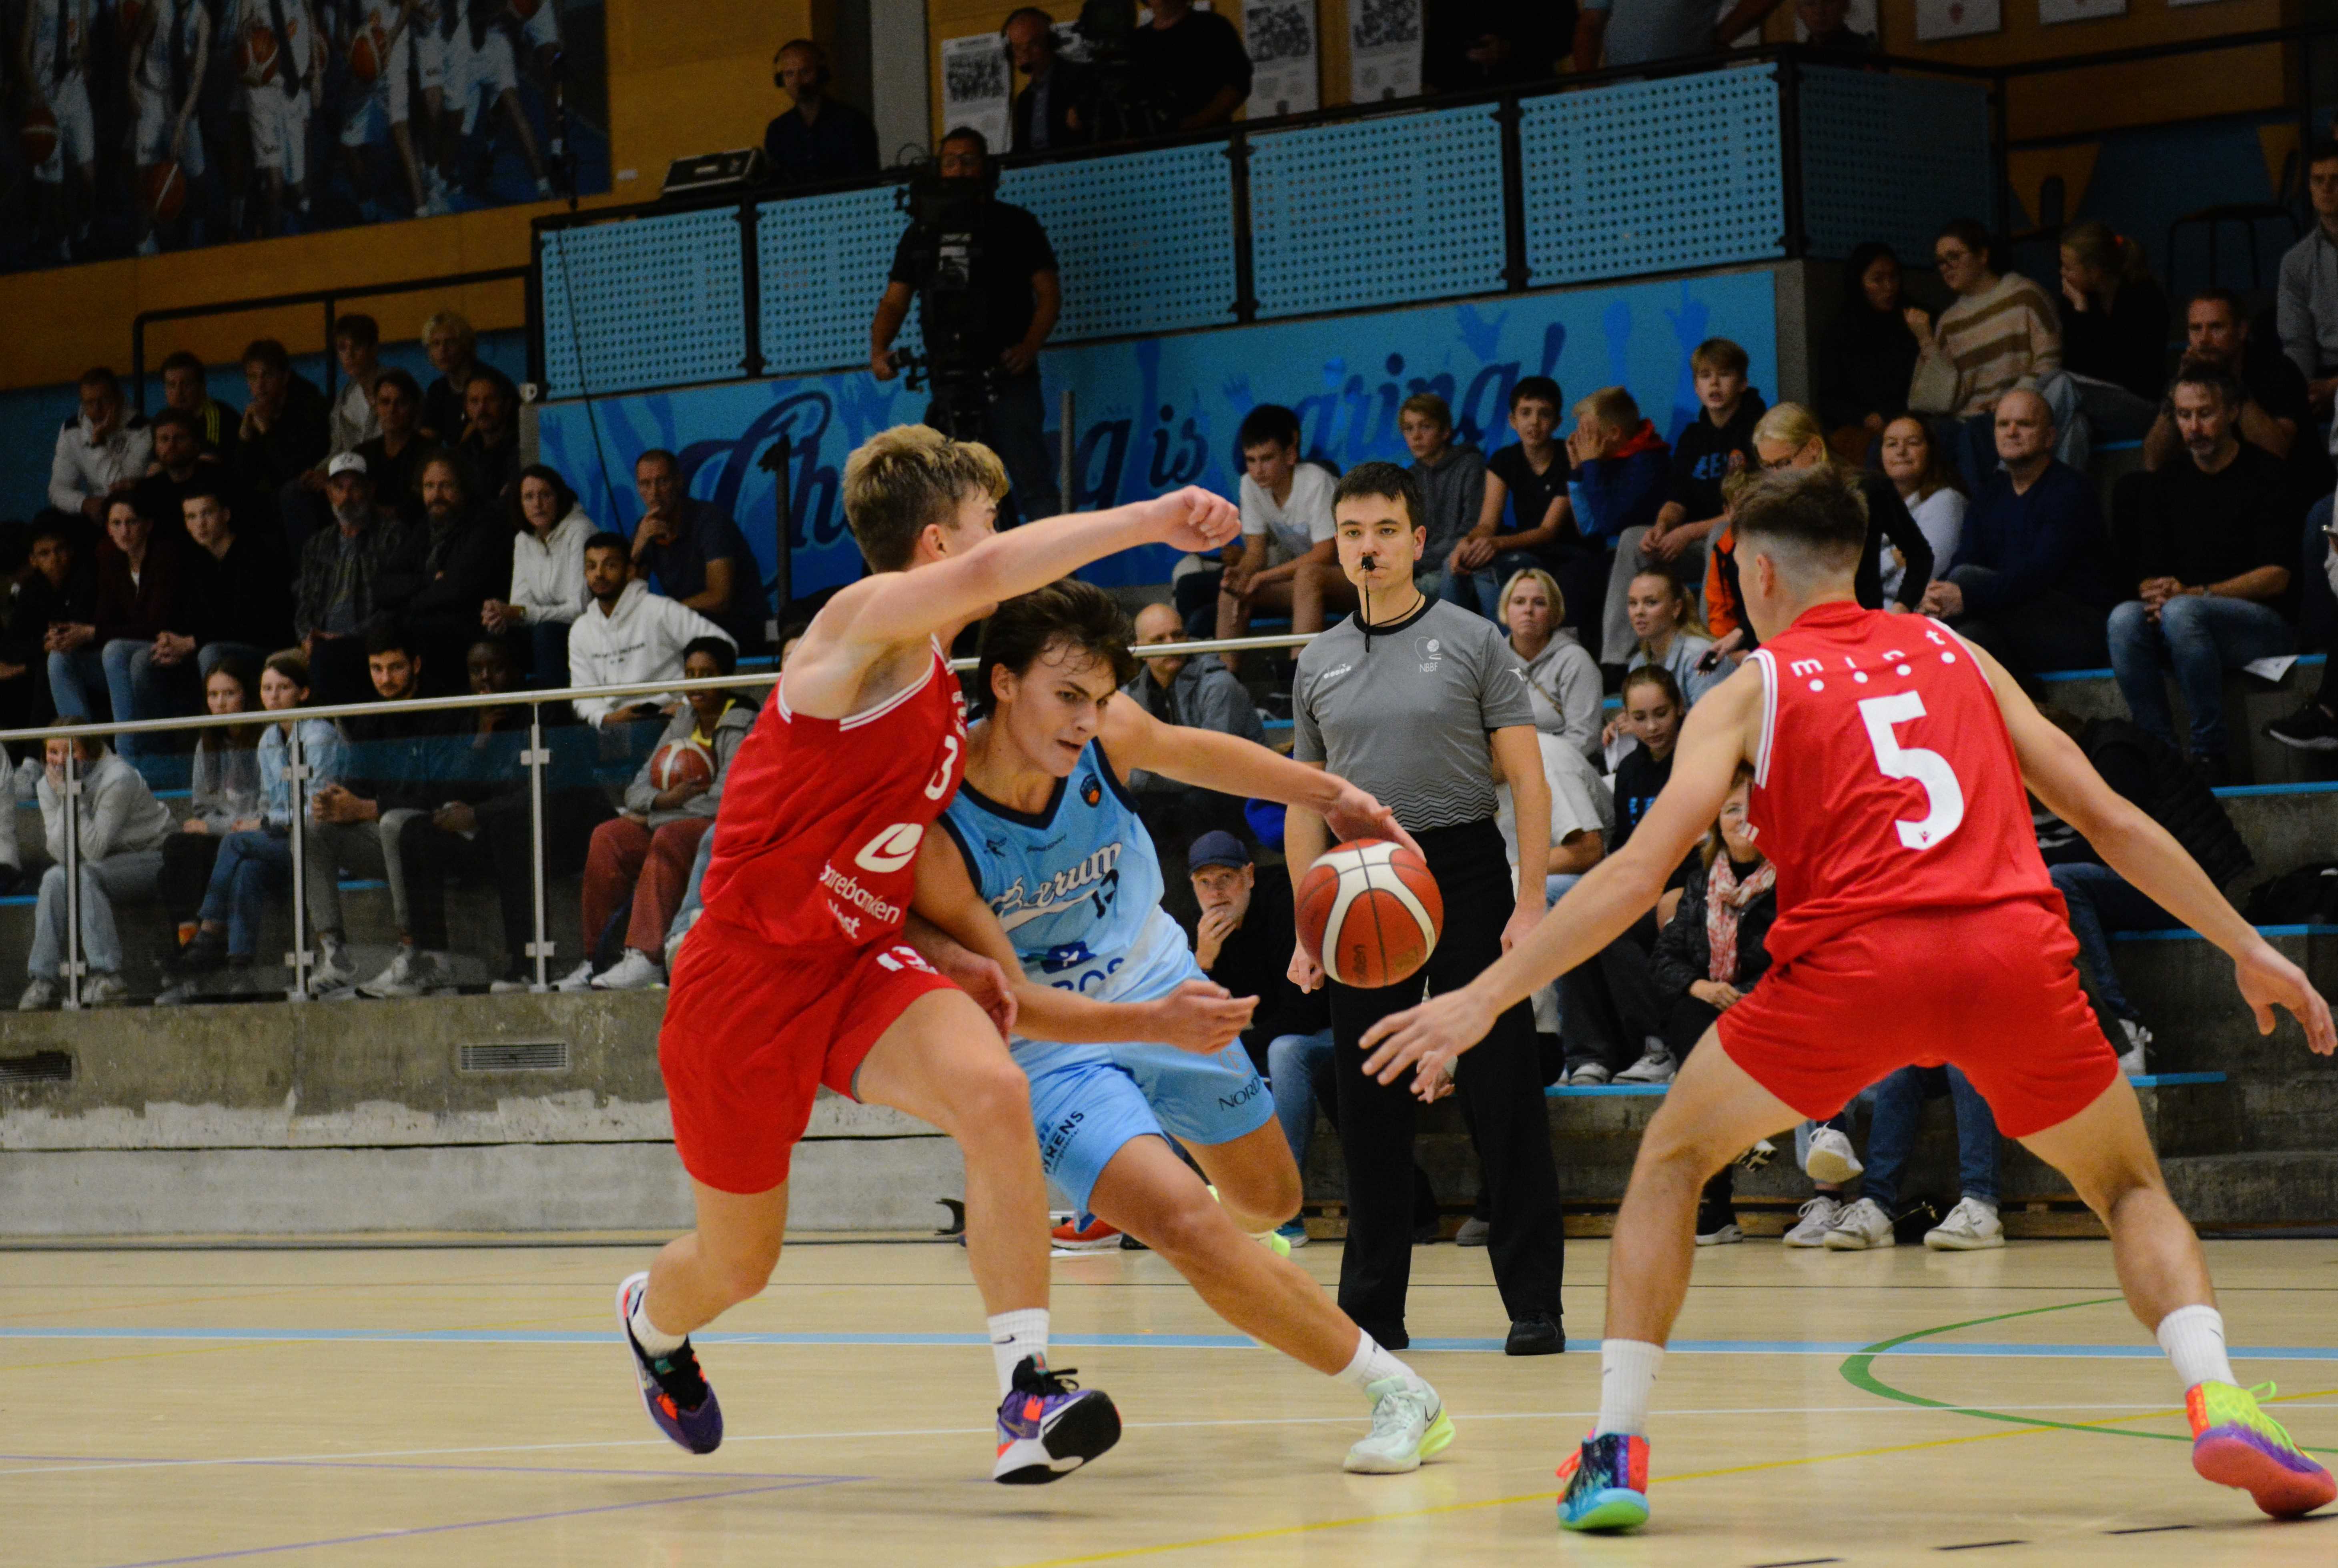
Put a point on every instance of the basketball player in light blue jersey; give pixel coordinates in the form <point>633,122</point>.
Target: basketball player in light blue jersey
<point>1045,869</point>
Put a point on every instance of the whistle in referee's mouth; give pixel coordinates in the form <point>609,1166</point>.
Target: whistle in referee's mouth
<point>1368,561</point>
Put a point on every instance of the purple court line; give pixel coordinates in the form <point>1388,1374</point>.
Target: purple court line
<point>386,1464</point>
<point>375,1536</point>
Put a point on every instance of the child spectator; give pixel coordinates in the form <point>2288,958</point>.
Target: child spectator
<point>1452,480</point>
<point>1927,487</point>
<point>1972,1225</point>
<point>122,830</point>
<point>547,572</point>
<point>1619,465</point>
<point>1562,679</point>
<point>1527,519</point>
<point>225,797</point>
<point>1868,358</point>
<point>59,590</point>
<point>1284,561</point>
<point>1665,634</point>
<point>628,637</point>
<point>649,848</point>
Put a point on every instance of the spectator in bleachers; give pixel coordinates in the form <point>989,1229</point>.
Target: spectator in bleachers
<point>120,841</point>
<point>1194,62</point>
<point>1707,957</point>
<point>453,348</point>
<point>2213,537</point>
<point>2276,411</point>
<point>1712,447</point>
<point>1665,634</point>
<point>255,863</point>
<point>361,570</point>
<point>285,430</point>
<point>643,855</point>
<point>1452,480</point>
<point>1868,356</point>
<point>1562,677</point>
<point>547,572</point>
<point>396,763</point>
<point>1790,436</point>
<point>2031,580</point>
<point>356,344</point>
<point>466,565</point>
<point>101,451</point>
<point>224,797</point>
<point>818,137</point>
<point>1826,25</point>
<point>2306,311</point>
<point>1972,1225</point>
<point>113,663</point>
<point>1048,111</point>
<point>2001,333</point>
<point>1527,519</point>
<point>58,589</point>
<point>1199,693</point>
<point>630,636</point>
<point>395,454</point>
<point>1617,466</point>
<point>2115,330</point>
<point>696,552</point>
<point>1284,560</point>
<point>1926,486</point>
<point>489,446</point>
<point>181,466</point>
<point>186,387</point>
<point>1643,31</point>
<point>1473,45</point>
<point>1243,940</point>
<point>239,586</point>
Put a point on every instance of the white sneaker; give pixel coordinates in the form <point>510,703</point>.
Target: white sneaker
<point>2138,1039</point>
<point>104,990</point>
<point>577,979</point>
<point>1971,1226</point>
<point>412,972</point>
<point>39,997</point>
<point>1658,1066</point>
<point>1830,1160</point>
<point>1588,1075</point>
<point>1819,1216</point>
<point>507,987</point>
<point>1408,1424</point>
<point>636,971</point>
<point>1859,1228</point>
<point>334,967</point>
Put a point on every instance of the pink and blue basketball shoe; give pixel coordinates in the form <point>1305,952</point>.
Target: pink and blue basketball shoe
<point>1606,1483</point>
<point>674,1391</point>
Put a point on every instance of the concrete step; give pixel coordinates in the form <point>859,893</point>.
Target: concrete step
<point>2250,703</point>
<point>2251,1190</point>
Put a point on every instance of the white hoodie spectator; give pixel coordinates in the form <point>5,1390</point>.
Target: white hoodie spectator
<point>637,640</point>
<point>98,449</point>
<point>547,578</point>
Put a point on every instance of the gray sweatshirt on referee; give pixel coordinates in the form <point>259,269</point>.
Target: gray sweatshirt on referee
<point>1403,710</point>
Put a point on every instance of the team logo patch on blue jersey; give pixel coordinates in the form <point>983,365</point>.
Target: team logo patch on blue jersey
<point>1091,790</point>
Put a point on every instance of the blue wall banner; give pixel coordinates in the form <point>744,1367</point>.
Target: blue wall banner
<point>1157,413</point>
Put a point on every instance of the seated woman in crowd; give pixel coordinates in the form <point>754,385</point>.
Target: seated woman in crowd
<point>2114,330</point>
<point>257,861</point>
<point>121,828</point>
<point>1665,634</point>
<point>2002,332</point>
<point>1868,356</point>
<point>1927,487</point>
<point>547,573</point>
<point>111,666</point>
<point>1562,677</point>
<point>226,798</point>
<point>648,849</point>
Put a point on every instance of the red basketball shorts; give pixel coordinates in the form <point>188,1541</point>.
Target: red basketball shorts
<point>753,1031</point>
<point>1993,991</point>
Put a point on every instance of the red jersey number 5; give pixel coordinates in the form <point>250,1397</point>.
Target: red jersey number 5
<point>1944,798</point>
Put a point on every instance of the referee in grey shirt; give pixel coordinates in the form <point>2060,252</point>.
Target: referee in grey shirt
<point>1421,703</point>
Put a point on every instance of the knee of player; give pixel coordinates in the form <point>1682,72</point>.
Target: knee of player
<point>991,1099</point>
<point>1188,1225</point>
<point>741,1276</point>
<point>1276,1195</point>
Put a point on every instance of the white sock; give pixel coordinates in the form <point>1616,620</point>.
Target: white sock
<point>1371,1364</point>
<point>1627,1376</point>
<point>2194,1338</point>
<point>1014,1336</point>
<point>654,1341</point>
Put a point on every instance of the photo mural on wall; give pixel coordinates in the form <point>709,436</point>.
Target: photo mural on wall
<point>145,126</point>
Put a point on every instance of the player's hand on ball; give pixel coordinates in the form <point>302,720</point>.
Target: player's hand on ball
<point>1304,972</point>
<point>1192,519</point>
<point>1427,1037</point>
<point>1356,815</point>
<point>2267,981</point>
<point>1201,1018</point>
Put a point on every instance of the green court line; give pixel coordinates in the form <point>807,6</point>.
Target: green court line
<point>1859,1371</point>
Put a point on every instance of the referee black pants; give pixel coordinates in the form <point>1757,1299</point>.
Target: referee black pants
<point>1499,1083</point>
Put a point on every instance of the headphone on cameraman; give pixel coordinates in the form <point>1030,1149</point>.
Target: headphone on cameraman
<point>819,56</point>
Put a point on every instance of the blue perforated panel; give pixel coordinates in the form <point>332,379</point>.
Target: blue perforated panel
<point>1652,176</point>
<point>1889,158</point>
<point>1345,216</point>
<point>1143,242</point>
<point>825,260</point>
<point>651,302</point>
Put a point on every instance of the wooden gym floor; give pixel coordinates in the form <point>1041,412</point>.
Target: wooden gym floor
<point>440,1405</point>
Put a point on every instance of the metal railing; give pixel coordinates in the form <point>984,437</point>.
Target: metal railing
<point>534,757</point>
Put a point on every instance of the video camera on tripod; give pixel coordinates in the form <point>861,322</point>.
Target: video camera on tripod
<point>1121,104</point>
<point>945,223</point>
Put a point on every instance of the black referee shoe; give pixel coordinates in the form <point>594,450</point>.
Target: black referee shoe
<point>1535,1334</point>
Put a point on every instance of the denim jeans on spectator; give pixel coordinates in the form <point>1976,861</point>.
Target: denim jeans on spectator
<point>1898,1106</point>
<point>211,655</point>
<point>134,875</point>
<point>685,914</point>
<point>2199,638</point>
<point>2113,413</point>
<point>2050,631</point>
<point>1481,590</point>
<point>135,687</point>
<point>1019,434</point>
<point>2102,901</point>
<point>251,865</point>
<point>1292,1060</point>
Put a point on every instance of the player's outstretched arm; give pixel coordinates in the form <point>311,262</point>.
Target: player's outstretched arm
<point>1719,734</point>
<point>2148,856</point>
<point>1210,759</point>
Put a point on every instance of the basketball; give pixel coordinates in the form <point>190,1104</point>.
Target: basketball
<point>1369,912</point>
<point>39,136</point>
<point>255,55</point>
<point>681,763</point>
<point>525,10</point>
<point>366,52</point>
<point>162,191</point>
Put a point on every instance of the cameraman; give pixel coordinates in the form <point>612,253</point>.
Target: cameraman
<point>1014,298</point>
<point>1194,62</point>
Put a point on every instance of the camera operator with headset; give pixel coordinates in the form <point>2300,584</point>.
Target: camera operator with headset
<point>984,275</point>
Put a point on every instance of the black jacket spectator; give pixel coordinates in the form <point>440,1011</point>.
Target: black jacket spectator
<point>2126,344</point>
<point>405,759</point>
<point>161,599</point>
<point>397,477</point>
<point>2047,539</point>
<point>1191,61</point>
<point>158,496</point>
<point>492,470</point>
<point>1470,44</point>
<point>1868,356</point>
<point>41,605</point>
<point>1009,248</point>
<point>2199,527</point>
<point>1253,961</point>
<point>352,578</point>
<point>1043,109</point>
<point>1703,454</point>
<point>293,443</point>
<point>244,596</point>
<point>1639,779</point>
<point>840,145</point>
<point>1683,954</point>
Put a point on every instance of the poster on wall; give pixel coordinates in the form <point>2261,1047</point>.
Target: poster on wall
<point>170,124</point>
<point>1383,49</point>
<point>1937,19</point>
<point>2050,11</point>
<point>979,87</point>
<point>1281,37</point>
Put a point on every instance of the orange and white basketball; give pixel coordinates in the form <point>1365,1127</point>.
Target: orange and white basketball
<point>367,52</point>
<point>255,55</point>
<point>38,135</point>
<point>1369,912</point>
<point>681,763</point>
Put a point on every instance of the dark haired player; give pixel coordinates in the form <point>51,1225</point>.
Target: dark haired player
<point>1916,925</point>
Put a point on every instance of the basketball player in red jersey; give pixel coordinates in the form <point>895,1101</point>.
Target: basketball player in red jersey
<point>1915,924</point>
<point>795,975</point>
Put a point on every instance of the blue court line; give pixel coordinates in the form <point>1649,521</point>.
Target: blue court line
<point>2230,790</point>
<point>2185,934</point>
<point>1092,1341</point>
<point>2143,1081</point>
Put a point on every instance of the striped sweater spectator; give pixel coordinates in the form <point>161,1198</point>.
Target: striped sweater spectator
<point>2001,337</point>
